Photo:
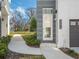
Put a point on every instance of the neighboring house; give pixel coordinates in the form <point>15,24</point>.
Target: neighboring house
<point>4,17</point>
<point>58,22</point>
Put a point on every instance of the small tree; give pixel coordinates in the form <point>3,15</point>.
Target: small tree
<point>33,24</point>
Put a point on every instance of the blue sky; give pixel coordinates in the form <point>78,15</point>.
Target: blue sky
<point>22,3</point>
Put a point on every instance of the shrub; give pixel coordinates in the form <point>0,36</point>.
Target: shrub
<point>4,46</point>
<point>32,40</point>
<point>72,53</point>
<point>33,24</point>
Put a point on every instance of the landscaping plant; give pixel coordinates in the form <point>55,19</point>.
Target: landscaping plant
<point>32,40</point>
<point>4,46</point>
<point>70,52</point>
<point>33,24</point>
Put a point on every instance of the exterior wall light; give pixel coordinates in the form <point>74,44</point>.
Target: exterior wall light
<point>2,19</point>
<point>56,11</point>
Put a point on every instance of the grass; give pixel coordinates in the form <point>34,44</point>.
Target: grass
<point>33,57</point>
<point>23,33</point>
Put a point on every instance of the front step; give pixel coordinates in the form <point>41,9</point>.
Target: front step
<point>48,45</point>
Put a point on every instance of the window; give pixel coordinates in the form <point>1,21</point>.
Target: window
<point>2,19</point>
<point>73,23</point>
<point>48,32</point>
<point>60,24</point>
<point>78,22</point>
<point>47,10</point>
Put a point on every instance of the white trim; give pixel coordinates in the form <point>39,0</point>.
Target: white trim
<point>50,39</point>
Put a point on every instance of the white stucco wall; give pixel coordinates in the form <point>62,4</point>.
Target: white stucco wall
<point>4,26</point>
<point>67,9</point>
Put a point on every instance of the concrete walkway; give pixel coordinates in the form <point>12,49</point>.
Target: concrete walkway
<point>50,52</point>
<point>18,45</point>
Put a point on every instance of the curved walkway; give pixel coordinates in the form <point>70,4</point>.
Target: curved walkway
<point>18,45</point>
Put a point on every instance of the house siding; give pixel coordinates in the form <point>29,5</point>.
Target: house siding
<point>40,5</point>
<point>67,9</point>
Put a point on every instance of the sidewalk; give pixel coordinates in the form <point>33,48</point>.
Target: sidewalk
<point>52,52</point>
<point>18,45</point>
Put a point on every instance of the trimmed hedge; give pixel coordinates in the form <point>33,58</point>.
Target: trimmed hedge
<point>32,40</point>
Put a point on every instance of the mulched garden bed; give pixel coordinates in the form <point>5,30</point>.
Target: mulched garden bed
<point>70,52</point>
<point>14,55</point>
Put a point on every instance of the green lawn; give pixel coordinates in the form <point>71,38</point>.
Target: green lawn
<point>23,33</point>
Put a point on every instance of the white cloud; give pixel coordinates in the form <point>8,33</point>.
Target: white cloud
<point>9,1</point>
<point>21,10</point>
<point>11,10</point>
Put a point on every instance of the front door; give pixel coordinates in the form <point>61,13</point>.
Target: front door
<point>74,33</point>
<point>47,24</point>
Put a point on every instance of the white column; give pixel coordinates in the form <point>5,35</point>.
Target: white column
<point>4,25</point>
<point>8,25</point>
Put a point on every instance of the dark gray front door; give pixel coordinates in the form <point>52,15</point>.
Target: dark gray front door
<point>74,33</point>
